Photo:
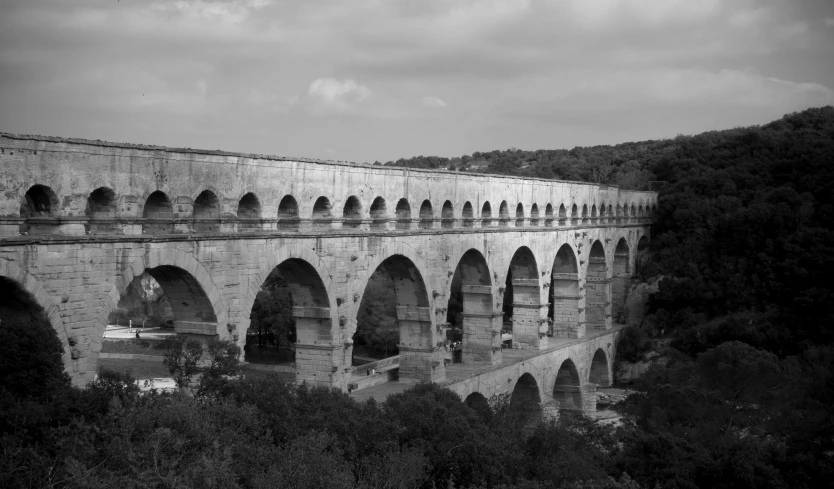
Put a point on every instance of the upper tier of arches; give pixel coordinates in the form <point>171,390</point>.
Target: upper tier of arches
<point>208,210</point>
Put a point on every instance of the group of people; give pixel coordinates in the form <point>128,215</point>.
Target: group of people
<point>454,345</point>
<point>371,371</point>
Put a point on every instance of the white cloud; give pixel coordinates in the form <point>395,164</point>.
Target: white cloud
<point>331,94</point>
<point>434,102</point>
<point>233,11</point>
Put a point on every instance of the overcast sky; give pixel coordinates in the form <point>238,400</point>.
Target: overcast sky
<point>367,80</point>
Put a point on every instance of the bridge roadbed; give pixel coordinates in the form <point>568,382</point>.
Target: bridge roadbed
<point>460,372</point>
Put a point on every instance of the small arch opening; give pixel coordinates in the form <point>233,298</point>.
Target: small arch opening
<point>101,205</point>
<point>206,211</point>
<point>534,215</point>
<point>379,214</point>
<point>158,213</point>
<point>447,215</point>
<point>352,213</point>
<point>504,214</point>
<point>321,213</point>
<point>426,215</point>
<point>249,213</point>
<point>403,215</point>
<point>486,215</point>
<point>39,201</point>
<point>519,215</point>
<point>288,213</point>
<point>468,215</point>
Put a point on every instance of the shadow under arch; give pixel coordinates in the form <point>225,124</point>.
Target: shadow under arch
<point>566,387</point>
<point>522,300</point>
<point>310,290</point>
<point>478,403</point>
<point>417,362</point>
<point>33,287</point>
<point>621,278</point>
<point>195,300</point>
<point>597,289</point>
<point>476,324</point>
<point>101,208</point>
<point>600,372</point>
<point>525,401</point>
<point>565,295</point>
<point>158,212</point>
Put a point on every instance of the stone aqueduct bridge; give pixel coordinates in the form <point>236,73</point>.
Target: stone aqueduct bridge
<point>79,220</point>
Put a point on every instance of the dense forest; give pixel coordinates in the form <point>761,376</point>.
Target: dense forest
<point>628,165</point>
<point>742,249</point>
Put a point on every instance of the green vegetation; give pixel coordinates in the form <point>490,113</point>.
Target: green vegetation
<point>744,243</point>
<point>627,165</point>
<point>377,328</point>
<point>271,318</point>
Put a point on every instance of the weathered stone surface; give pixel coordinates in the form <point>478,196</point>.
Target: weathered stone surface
<point>327,225</point>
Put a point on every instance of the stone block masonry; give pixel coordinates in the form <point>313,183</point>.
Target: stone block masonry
<point>79,220</point>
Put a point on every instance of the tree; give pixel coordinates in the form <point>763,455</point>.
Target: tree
<point>272,312</point>
<point>181,357</point>
<point>224,364</point>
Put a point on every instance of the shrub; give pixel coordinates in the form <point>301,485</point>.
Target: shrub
<point>632,344</point>
<point>181,357</point>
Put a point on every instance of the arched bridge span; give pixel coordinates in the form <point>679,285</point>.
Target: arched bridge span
<point>79,220</point>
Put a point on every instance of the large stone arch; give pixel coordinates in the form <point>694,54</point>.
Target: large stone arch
<point>478,403</point>
<point>597,288</point>
<point>276,258</point>
<point>600,371</point>
<point>621,276</point>
<point>523,298</point>
<point>567,387</point>
<point>174,259</point>
<point>419,355</point>
<point>319,343</point>
<point>566,314</point>
<point>375,260</point>
<point>481,319</point>
<point>526,399</point>
<point>74,356</point>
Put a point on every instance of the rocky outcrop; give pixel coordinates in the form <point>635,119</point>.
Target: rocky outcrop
<point>628,372</point>
<point>633,312</point>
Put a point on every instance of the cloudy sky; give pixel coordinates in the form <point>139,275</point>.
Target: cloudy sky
<point>367,80</point>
